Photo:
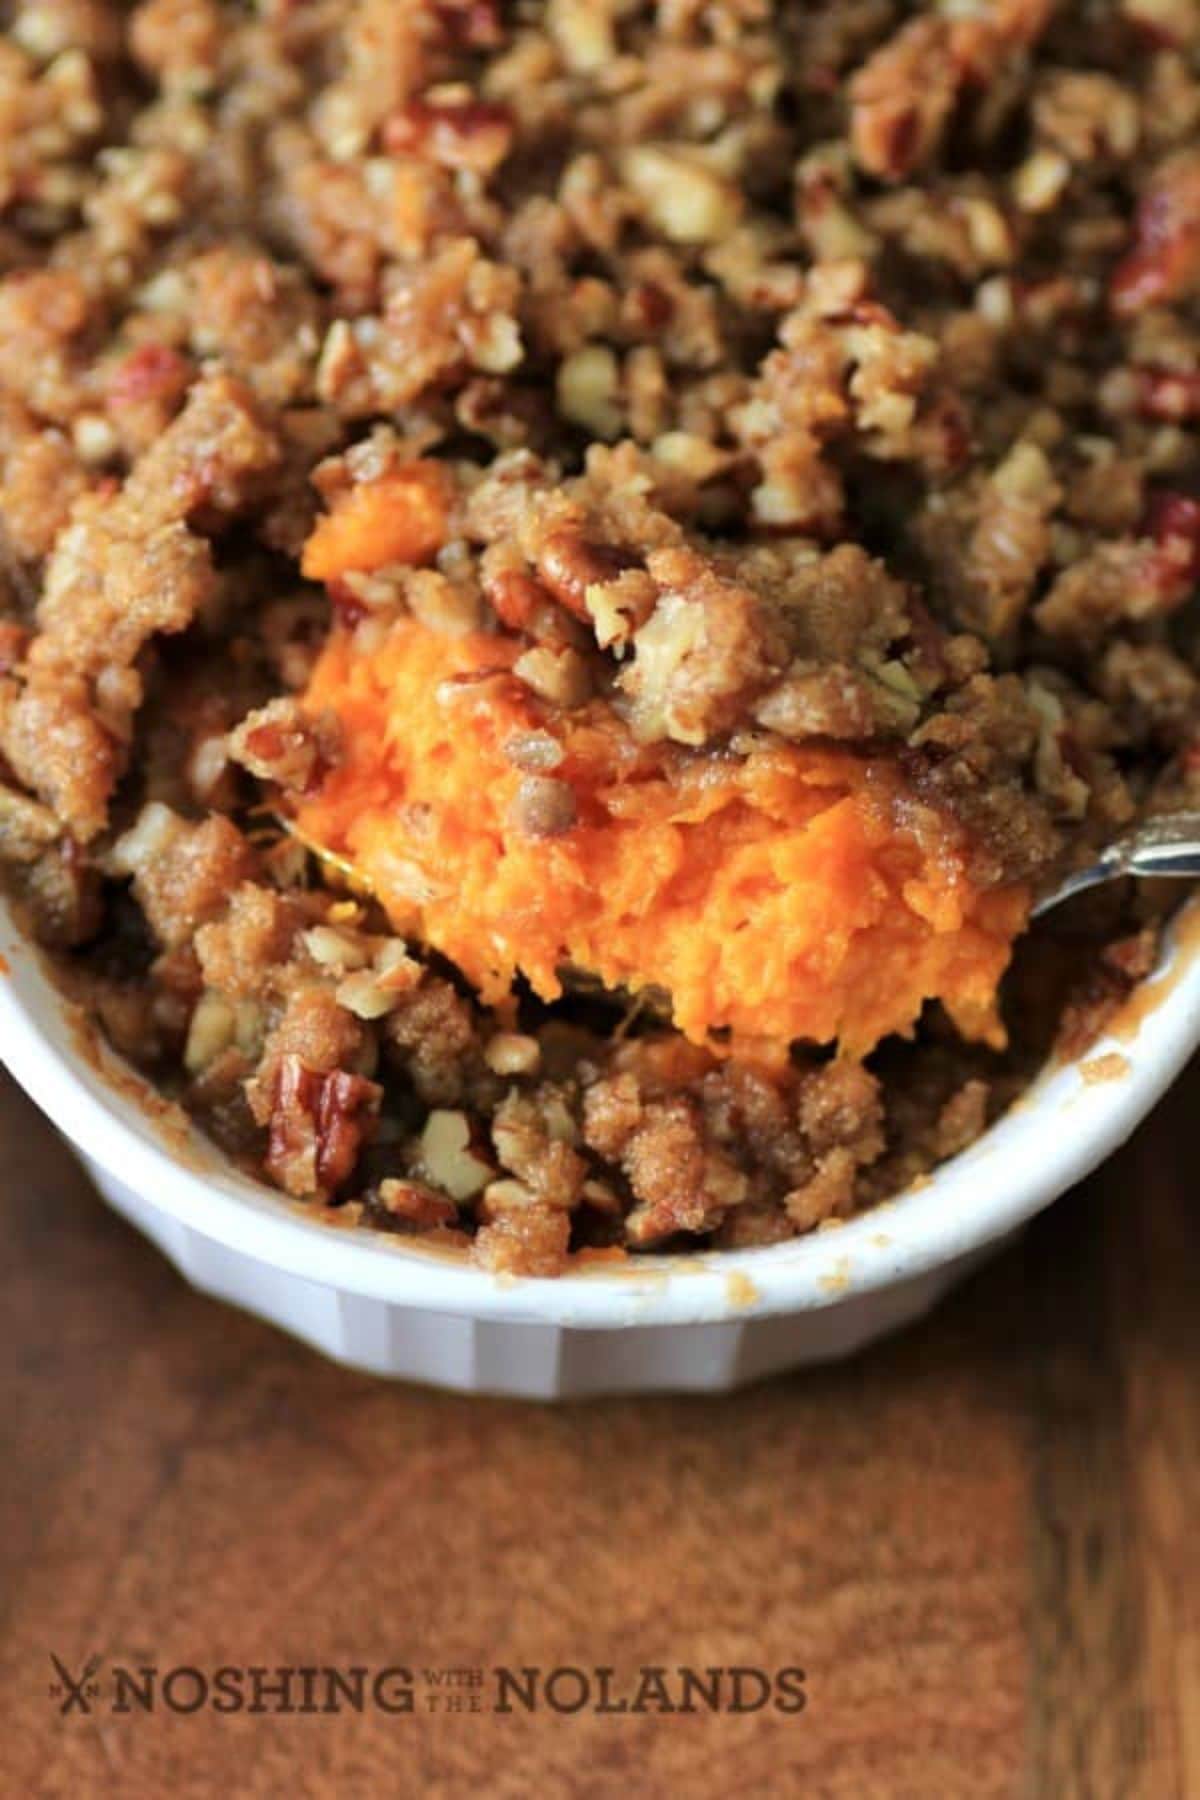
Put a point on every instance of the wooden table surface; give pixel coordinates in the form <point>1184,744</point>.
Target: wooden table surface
<point>979,1541</point>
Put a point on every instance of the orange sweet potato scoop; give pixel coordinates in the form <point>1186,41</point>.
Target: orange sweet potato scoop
<point>780,895</point>
<point>398,519</point>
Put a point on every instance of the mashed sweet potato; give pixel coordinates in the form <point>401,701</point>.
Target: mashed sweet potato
<point>792,893</point>
<point>399,519</point>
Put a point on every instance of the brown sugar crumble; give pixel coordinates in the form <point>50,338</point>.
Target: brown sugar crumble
<point>568,569</point>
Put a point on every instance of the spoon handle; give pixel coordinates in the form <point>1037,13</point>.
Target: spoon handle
<point>1168,845</point>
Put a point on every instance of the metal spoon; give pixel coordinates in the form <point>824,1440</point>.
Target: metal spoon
<point>1166,845</point>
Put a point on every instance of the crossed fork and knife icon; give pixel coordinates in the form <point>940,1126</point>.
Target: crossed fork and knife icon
<point>75,1691</point>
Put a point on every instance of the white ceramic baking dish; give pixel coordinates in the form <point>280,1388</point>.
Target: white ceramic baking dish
<point>705,1322</point>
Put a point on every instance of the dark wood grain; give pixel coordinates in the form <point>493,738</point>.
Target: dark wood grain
<point>978,1540</point>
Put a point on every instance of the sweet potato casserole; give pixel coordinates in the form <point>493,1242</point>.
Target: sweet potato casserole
<point>570,570</point>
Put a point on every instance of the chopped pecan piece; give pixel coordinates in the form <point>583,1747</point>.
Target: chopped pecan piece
<point>1163,264</point>
<point>460,132</point>
<point>570,563</point>
<point>544,807</point>
<point>317,1126</point>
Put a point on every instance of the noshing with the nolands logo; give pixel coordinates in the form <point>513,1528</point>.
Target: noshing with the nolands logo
<point>507,1689</point>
